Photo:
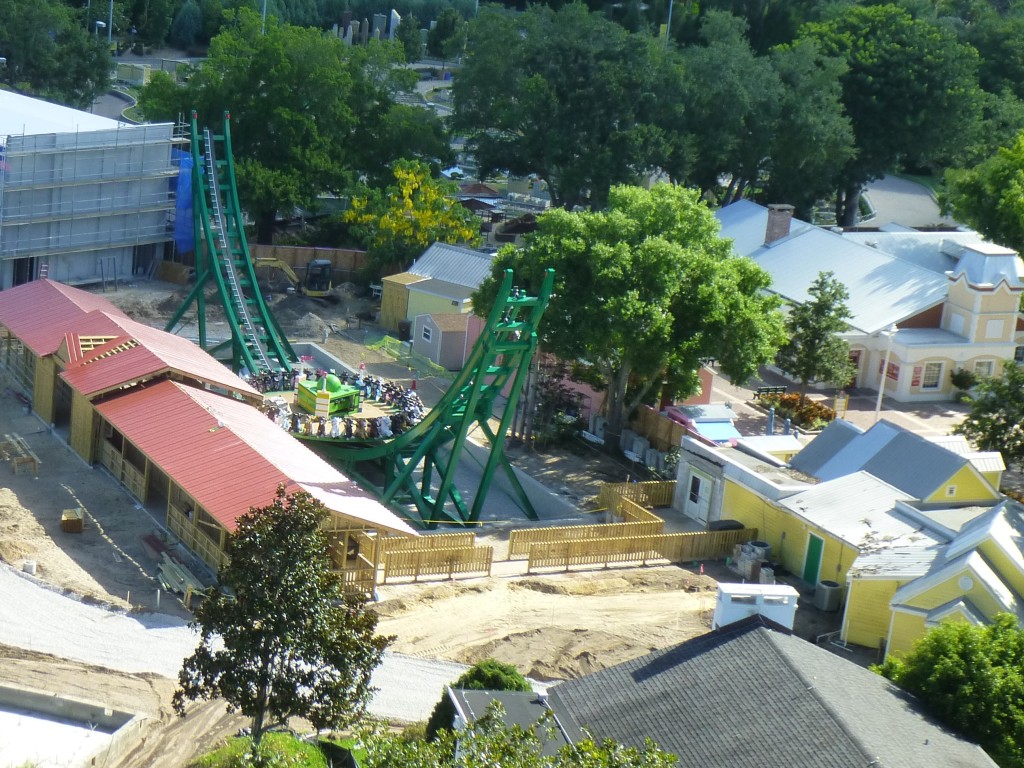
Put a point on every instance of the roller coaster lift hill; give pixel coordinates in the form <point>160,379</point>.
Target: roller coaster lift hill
<point>412,472</point>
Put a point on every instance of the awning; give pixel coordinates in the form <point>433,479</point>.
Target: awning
<point>717,431</point>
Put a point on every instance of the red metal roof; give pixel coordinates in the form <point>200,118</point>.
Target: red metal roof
<point>41,312</point>
<point>230,457</point>
<point>122,362</point>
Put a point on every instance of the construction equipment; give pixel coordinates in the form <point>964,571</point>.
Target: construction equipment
<point>319,280</point>
<point>257,342</point>
<point>414,473</point>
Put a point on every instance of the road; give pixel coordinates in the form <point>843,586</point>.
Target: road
<point>899,201</point>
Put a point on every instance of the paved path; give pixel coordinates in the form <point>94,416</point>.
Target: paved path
<point>899,201</point>
<point>40,619</point>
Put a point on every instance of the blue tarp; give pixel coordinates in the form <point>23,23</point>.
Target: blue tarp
<point>717,431</point>
<point>184,236</point>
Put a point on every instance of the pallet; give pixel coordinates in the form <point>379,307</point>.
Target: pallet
<point>15,450</point>
<point>176,578</point>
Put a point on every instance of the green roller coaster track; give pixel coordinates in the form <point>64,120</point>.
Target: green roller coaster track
<point>413,473</point>
<point>222,256</point>
<point>402,470</point>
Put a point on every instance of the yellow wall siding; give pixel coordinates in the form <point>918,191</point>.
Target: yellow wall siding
<point>1001,563</point>
<point>950,589</point>
<point>969,485</point>
<point>867,611</point>
<point>427,304</point>
<point>907,628</point>
<point>83,421</point>
<point>787,533</point>
<point>42,388</point>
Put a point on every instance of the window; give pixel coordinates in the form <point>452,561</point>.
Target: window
<point>694,489</point>
<point>983,368</point>
<point>932,376</point>
<point>1018,355</point>
<point>426,333</point>
<point>994,329</point>
<point>956,324</point>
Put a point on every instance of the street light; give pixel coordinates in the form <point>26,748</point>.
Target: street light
<point>99,25</point>
<point>110,24</point>
<point>891,333</point>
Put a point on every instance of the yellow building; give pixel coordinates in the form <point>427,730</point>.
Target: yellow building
<point>913,528</point>
<point>441,280</point>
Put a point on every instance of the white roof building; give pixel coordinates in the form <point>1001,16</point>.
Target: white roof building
<point>943,301</point>
<point>83,198</point>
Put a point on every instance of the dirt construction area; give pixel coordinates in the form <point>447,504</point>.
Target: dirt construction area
<point>551,627</point>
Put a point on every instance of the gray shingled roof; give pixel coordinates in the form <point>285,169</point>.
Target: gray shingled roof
<point>523,709</point>
<point>748,696</point>
<point>902,459</point>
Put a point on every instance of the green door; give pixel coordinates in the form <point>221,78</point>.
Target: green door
<point>812,565</point>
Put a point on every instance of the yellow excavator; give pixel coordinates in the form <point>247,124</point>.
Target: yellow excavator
<point>319,278</point>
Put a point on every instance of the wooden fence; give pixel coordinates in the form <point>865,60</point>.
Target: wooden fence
<point>650,494</point>
<point>673,547</point>
<point>435,541</point>
<point>661,431</point>
<point>521,541</point>
<point>448,562</point>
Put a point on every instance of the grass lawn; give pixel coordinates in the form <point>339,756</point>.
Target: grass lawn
<point>929,182</point>
<point>280,749</point>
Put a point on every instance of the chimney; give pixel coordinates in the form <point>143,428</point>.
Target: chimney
<point>779,218</point>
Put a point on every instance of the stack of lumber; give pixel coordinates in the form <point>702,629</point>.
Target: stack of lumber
<point>177,578</point>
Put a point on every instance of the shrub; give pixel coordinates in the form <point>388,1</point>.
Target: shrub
<point>813,415</point>
<point>486,675</point>
<point>962,379</point>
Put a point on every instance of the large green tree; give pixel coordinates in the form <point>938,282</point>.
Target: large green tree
<point>447,38</point>
<point>996,419</point>
<point>990,196</point>
<point>309,114</point>
<point>971,678</point>
<point>646,290</point>
<point>910,90</point>
<point>565,95</point>
<point>815,350</point>
<point>51,53</point>
<point>280,638</point>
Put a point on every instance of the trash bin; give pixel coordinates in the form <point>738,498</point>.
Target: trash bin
<point>404,330</point>
<point>828,596</point>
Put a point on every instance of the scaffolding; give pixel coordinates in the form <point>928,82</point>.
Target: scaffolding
<point>72,201</point>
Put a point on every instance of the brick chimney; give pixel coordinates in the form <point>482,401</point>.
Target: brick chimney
<point>779,218</point>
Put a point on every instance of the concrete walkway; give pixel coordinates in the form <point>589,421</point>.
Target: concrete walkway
<point>899,201</point>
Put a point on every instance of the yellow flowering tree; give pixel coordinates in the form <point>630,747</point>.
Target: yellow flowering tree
<point>397,223</point>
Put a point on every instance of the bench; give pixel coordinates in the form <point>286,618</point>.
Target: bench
<point>762,391</point>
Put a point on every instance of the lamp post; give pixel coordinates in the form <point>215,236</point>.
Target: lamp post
<point>891,333</point>
<point>99,25</point>
<point>110,24</point>
<point>668,23</point>
<point>263,28</point>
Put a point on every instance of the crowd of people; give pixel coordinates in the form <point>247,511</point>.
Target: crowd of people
<point>406,410</point>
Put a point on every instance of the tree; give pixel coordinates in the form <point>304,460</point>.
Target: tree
<point>280,638</point>
<point>910,90</point>
<point>990,196</point>
<point>970,678</point>
<point>398,222</point>
<point>815,351</point>
<point>487,741</point>
<point>486,675</point>
<point>187,25</point>
<point>645,291</point>
<point>577,102</point>
<point>996,420</point>
<point>50,52</point>
<point>409,36</point>
<point>306,110</point>
<point>447,38</point>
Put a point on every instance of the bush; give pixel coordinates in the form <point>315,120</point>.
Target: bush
<point>277,749</point>
<point>962,379</point>
<point>486,675</point>
<point>813,415</point>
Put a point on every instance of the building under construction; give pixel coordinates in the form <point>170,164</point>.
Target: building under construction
<point>83,198</point>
